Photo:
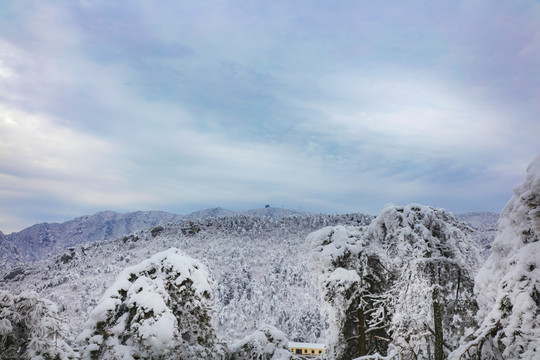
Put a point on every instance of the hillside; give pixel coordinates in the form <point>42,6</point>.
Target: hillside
<point>258,264</point>
<point>257,259</point>
<point>42,241</point>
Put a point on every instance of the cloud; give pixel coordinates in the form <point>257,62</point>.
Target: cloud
<point>128,105</point>
<point>409,110</point>
<point>35,146</point>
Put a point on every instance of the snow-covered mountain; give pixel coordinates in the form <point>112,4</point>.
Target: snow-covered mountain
<point>258,260</point>
<point>9,254</point>
<point>275,213</point>
<point>259,266</point>
<point>41,241</point>
<point>271,212</point>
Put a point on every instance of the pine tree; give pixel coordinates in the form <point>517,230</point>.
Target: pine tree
<point>30,328</point>
<point>352,279</point>
<point>434,261</point>
<point>158,309</point>
<point>404,280</point>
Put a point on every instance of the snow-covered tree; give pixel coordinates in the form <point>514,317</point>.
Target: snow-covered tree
<point>349,274</point>
<point>434,260</point>
<point>158,309</point>
<point>405,280</point>
<point>267,343</point>
<point>31,329</point>
<point>508,284</point>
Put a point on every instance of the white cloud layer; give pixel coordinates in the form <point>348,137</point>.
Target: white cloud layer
<point>343,107</point>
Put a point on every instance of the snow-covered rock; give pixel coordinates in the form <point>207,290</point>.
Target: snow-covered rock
<point>508,284</point>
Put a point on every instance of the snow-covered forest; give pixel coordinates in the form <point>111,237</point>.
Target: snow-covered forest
<point>410,283</point>
<point>257,264</point>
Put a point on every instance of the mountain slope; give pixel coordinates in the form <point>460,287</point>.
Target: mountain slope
<point>42,241</point>
<point>259,265</point>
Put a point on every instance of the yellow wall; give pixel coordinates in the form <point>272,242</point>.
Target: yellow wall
<point>307,351</point>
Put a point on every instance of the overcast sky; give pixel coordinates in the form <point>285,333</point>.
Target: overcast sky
<point>324,106</point>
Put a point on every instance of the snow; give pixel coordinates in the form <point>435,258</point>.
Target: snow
<point>153,308</point>
<point>266,343</point>
<point>388,269</point>
<point>508,284</point>
<point>175,261</point>
<point>104,309</point>
<point>259,264</point>
<point>341,275</point>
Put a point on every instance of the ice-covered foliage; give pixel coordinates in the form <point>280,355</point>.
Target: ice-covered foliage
<point>259,265</point>
<point>508,284</point>
<point>42,241</point>
<point>267,343</point>
<point>349,273</point>
<point>434,261</point>
<point>158,309</point>
<point>409,272</point>
<point>31,329</point>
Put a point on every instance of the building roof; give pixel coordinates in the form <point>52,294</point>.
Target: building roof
<point>293,344</point>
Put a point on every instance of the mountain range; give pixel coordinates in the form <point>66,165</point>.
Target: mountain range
<point>258,260</point>
<point>41,241</point>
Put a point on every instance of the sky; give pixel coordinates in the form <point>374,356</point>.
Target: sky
<point>332,107</point>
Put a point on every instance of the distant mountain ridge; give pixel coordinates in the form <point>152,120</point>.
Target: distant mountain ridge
<point>257,257</point>
<point>42,241</point>
<point>258,263</point>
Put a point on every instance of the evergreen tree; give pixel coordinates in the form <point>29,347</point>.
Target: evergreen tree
<point>405,280</point>
<point>158,309</point>
<point>31,329</point>
<point>352,279</point>
<point>434,261</point>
